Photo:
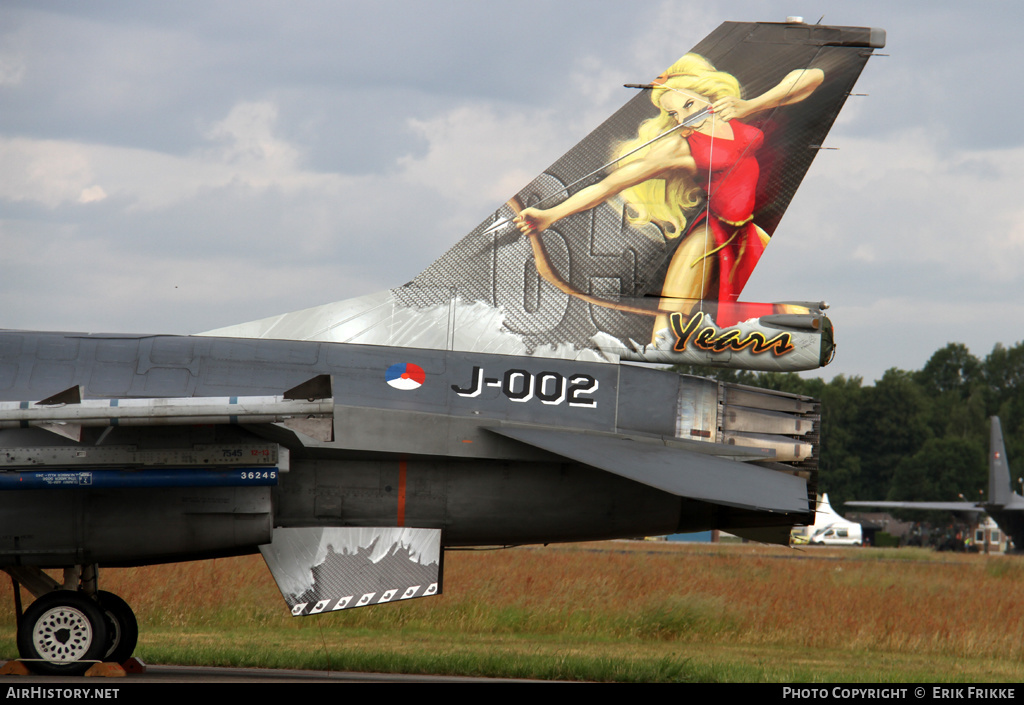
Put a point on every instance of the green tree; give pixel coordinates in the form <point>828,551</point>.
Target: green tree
<point>944,470</point>
<point>893,423</point>
<point>954,381</point>
<point>839,470</point>
<point>950,369</point>
<point>941,471</point>
<point>1003,372</point>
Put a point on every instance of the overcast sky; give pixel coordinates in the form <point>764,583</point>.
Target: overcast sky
<point>176,167</point>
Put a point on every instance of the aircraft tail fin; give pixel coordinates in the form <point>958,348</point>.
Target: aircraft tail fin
<point>998,469</point>
<point>638,242</point>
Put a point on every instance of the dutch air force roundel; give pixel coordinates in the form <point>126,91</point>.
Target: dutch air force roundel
<point>405,375</point>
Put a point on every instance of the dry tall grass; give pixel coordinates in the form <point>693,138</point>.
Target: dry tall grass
<point>855,600</point>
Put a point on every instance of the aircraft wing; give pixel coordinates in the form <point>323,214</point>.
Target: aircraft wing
<point>924,506</point>
<point>684,473</point>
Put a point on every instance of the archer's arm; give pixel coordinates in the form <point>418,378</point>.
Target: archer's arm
<point>795,87</point>
<point>652,165</point>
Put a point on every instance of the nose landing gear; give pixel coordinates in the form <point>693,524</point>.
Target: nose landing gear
<point>62,633</point>
<point>66,630</point>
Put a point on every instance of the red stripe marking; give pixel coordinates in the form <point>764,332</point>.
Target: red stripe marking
<point>401,491</point>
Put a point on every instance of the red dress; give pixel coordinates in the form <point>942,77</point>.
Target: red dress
<point>734,172</point>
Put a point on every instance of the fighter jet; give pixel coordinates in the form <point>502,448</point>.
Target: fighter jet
<point>488,402</point>
<point>1004,505</point>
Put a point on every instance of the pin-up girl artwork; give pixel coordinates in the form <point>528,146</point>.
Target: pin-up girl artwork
<point>712,160</point>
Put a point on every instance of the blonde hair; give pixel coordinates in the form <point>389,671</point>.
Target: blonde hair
<point>667,200</point>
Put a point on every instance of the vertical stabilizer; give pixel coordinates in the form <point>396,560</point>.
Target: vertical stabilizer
<point>998,468</point>
<point>638,242</point>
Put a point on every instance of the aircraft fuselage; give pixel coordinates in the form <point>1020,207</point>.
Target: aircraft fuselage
<point>412,446</point>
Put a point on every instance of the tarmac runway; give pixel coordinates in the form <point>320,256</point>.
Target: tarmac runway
<point>210,675</point>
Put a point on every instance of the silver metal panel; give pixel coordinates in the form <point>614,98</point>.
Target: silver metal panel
<point>240,454</point>
<point>787,450</point>
<point>766,399</point>
<point>697,411</point>
<point>326,569</point>
<point>738,418</point>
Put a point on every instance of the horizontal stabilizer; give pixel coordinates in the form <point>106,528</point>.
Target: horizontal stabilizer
<point>924,506</point>
<point>698,476</point>
<point>325,569</point>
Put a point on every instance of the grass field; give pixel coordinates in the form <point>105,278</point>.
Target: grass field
<point>614,611</point>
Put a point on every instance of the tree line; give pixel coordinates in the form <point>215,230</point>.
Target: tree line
<point>912,435</point>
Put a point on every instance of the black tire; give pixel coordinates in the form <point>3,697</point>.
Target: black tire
<point>66,630</point>
<point>122,627</point>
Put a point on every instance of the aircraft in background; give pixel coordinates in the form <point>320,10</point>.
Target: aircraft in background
<point>482,404</point>
<point>1004,505</point>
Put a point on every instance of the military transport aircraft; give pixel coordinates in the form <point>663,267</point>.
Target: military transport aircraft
<point>482,404</point>
<point>1005,506</point>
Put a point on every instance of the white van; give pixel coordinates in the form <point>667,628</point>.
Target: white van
<point>829,528</point>
<point>839,534</point>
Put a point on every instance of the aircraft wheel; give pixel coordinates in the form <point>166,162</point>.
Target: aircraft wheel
<point>66,630</point>
<point>122,627</point>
